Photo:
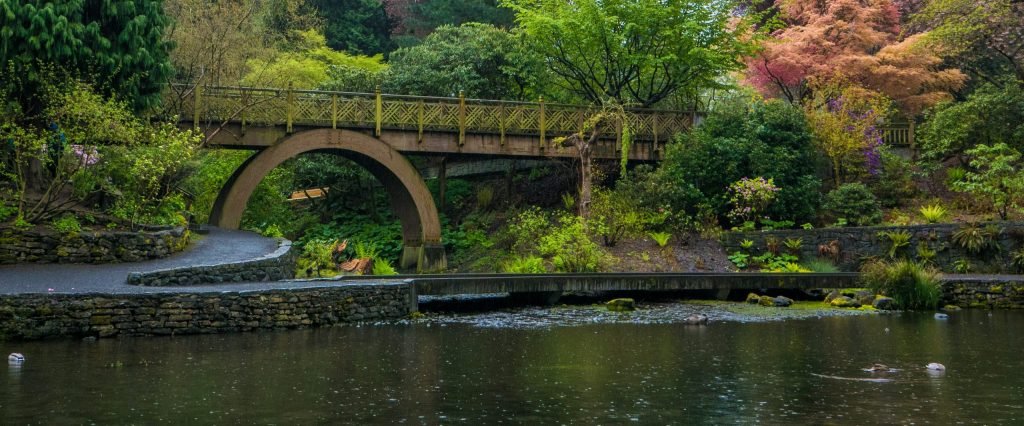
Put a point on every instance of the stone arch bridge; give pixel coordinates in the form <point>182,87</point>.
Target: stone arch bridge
<point>377,131</point>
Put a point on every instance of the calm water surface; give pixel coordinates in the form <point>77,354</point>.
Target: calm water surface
<point>591,374</point>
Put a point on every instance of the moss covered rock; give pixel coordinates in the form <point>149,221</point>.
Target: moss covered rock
<point>844,302</point>
<point>621,305</point>
<point>766,301</point>
<point>884,303</point>
<point>782,301</point>
<point>753,298</point>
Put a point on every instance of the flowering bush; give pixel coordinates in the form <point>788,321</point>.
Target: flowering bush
<point>750,198</point>
<point>845,122</point>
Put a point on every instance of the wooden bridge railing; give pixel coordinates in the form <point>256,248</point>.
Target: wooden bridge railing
<point>377,111</point>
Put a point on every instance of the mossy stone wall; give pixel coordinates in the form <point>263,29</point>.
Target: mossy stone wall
<point>89,246</point>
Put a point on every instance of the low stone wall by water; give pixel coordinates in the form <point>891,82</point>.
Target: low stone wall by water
<point>89,247</point>
<point>856,244</point>
<point>34,316</point>
<point>279,265</point>
<point>992,292</point>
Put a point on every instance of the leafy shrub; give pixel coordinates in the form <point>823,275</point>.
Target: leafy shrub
<point>1017,259</point>
<point>740,259</point>
<point>569,247</point>
<point>911,285</point>
<point>367,250</point>
<point>991,114</point>
<point>925,253</point>
<point>7,212</point>
<point>273,231</point>
<point>661,238</point>
<point>525,265</point>
<point>975,238</point>
<point>934,213</point>
<point>788,267</point>
<point>897,241</point>
<point>996,179</point>
<point>484,197</point>
<point>954,175</point>
<point>793,245</point>
<point>319,255</point>
<point>855,203</point>
<point>893,184</point>
<point>750,198</point>
<point>614,215</point>
<point>526,229</point>
<point>66,225</point>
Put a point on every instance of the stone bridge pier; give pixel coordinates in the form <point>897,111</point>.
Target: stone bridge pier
<point>410,198</point>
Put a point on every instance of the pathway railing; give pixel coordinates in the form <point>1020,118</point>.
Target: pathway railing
<point>377,111</point>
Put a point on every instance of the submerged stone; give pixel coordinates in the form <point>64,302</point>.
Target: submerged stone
<point>951,308</point>
<point>621,305</point>
<point>696,319</point>
<point>884,303</point>
<point>844,302</point>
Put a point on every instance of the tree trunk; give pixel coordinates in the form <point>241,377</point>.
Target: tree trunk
<point>586,165</point>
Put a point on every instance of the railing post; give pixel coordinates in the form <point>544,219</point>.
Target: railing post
<point>543,123</point>
<point>462,117</point>
<point>196,94</point>
<point>654,129</point>
<point>501,123</point>
<point>419,121</point>
<point>334,111</point>
<point>378,111</point>
<point>245,103</point>
<point>290,108</point>
<point>618,133</point>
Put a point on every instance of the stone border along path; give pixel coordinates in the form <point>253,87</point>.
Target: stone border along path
<point>219,246</point>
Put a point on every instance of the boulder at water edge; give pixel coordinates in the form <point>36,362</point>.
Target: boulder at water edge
<point>831,296</point>
<point>782,301</point>
<point>844,302</point>
<point>753,298</point>
<point>864,297</point>
<point>696,319</point>
<point>621,305</point>
<point>884,303</point>
<point>766,301</point>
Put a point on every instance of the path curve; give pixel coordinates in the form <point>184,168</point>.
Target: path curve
<point>219,246</point>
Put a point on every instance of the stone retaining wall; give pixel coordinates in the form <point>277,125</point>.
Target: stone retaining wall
<point>1004,292</point>
<point>89,247</point>
<point>279,265</point>
<point>34,316</point>
<point>857,244</point>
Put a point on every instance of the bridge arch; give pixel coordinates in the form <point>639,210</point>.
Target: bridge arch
<point>410,198</point>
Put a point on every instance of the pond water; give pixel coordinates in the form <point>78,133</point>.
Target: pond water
<point>796,371</point>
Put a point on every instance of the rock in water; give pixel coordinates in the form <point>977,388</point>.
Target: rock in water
<point>844,302</point>
<point>864,297</point>
<point>621,305</point>
<point>884,303</point>
<point>831,296</point>
<point>696,319</point>
<point>941,316</point>
<point>753,298</point>
<point>951,308</point>
<point>934,366</point>
<point>766,301</point>
<point>782,301</point>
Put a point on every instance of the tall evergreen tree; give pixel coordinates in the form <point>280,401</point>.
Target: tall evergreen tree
<point>117,44</point>
<point>355,26</point>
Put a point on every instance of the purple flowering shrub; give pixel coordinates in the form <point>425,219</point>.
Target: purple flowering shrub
<point>750,198</point>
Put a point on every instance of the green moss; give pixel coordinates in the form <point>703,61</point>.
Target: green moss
<point>621,305</point>
<point>766,301</point>
<point>995,289</point>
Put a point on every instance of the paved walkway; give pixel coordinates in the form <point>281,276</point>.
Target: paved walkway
<point>218,246</point>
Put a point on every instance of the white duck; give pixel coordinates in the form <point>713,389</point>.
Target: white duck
<point>15,358</point>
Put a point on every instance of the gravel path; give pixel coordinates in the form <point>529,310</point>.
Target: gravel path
<point>219,245</point>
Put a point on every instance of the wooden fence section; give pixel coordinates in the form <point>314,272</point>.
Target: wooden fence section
<point>376,111</point>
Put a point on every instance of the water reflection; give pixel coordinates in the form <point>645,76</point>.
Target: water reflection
<point>608,373</point>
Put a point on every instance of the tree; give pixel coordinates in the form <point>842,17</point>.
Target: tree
<point>990,115</point>
<point>985,37</point>
<point>416,19</point>
<point>117,44</point>
<point>356,26</point>
<point>632,51</point>
<point>996,179</point>
<point>844,120</point>
<point>855,40</point>
<point>583,141</point>
<point>482,60</point>
<point>310,64</point>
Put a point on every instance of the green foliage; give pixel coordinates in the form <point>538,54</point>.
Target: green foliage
<point>481,60</point>
<point>897,241</point>
<point>934,213</point>
<point>423,16</point>
<point>740,259</point>
<point>954,175</point>
<point>661,238</point>
<point>925,253</point>
<point>996,178</point>
<point>772,262</point>
<point>750,198</point>
<point>821,266</point>
<point>615,214</point>
<point>1017,259</point>
<point>525,265</point>
<point>310,64</point>
<point>746,244</point>
<point>737,140</point>
<point>632,51</point>
<point>526,229</point>
<point>118,45</point>
<point>793,245</point>
<point>386,238</point>
<point>845,125</point>
<point>962,266</point>
<point>356,26</point>
<point>893,182</point>
<point>66,225</point>
<point>990,116</point>
<point>272,231</point>
<point>319,254</point>
<point>569,247</point>
<point>369,250</point>
<point>855,203</point>
<point>788,267</point>
<point>975,238</point>
<point>911,285</point>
